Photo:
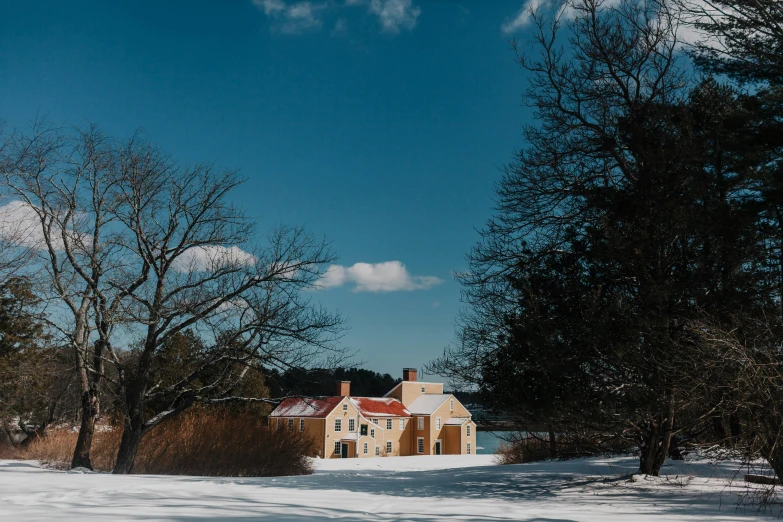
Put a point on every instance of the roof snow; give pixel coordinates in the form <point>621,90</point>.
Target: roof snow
<point>367,406</point>
<point>304,407</point>
<point>427,404</point>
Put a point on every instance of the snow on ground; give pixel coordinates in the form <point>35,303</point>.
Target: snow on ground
<point>445,488</point>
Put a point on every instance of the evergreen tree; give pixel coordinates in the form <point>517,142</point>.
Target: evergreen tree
<point>630,210</point>
<point>28,365</point>
<point>744,38</point>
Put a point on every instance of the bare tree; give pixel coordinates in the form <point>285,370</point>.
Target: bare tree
<point>16,249</point>
<point>206,274</point>
<point>63,180</point>
<point>136,248</point>
<point>739,370</point>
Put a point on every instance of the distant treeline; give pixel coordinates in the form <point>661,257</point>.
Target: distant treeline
<point>319,382</point>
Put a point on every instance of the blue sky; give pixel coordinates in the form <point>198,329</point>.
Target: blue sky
<point>381,124</point>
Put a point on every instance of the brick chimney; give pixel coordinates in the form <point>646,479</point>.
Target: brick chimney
<point>344,388</point>
<point>409,374</point>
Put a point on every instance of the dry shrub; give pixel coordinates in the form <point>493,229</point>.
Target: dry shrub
<point>206,443</point>
<point>224,444</point>
<point>531,447</point>
<point>8,452</point>
<point>521,450</point>
<point>55,448</point>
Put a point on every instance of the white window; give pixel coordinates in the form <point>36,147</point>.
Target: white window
<point>365,448</point>
<point>467,429</point>
<point>377,451</point>
<point>402,424</point>
<point>420,444</point>
<point>388,424</point>
<point>437,423</point>
<point>468,448</point>
<point>451,404</point>
<point>337,447</point>
<point>423,389</point>
<point>372,433</point>
<point>290,424</point>
<point>388,447</point>
<point>351,424</point>
<point>345,406</point>
<point>375,421</point>
<point>421,423</point>
<point>301,424</point>
<point>338,425</point>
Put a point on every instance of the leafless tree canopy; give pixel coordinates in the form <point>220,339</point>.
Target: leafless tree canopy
<point>133,249</point>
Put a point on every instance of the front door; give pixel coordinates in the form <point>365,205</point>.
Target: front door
<point>437,447</point>
<point>344,451</point>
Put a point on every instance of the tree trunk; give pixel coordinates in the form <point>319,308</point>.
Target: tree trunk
<point>133,428</point>
<point>656,442</point>
<point>89,413</point>
<point>552,443</point>
<point>774,455</point>
<point>89,400</point>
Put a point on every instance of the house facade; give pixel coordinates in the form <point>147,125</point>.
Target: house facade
<point>413,418</point>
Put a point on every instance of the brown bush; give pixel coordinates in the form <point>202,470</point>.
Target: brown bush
<point>521,450</point>
<point>55,448</point>
<point>206,443</point>
<point>8,452</point>
<point>531,447</point>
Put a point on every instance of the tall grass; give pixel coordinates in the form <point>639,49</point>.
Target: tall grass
<point>206,443</point>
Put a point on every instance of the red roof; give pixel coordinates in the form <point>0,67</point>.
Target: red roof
<point>386,407</point>
<point>319,408</point>
<point>305,407</point>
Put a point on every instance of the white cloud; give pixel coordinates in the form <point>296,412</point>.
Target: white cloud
<point>686,33</point>
<point>299,16</point>
<point>395,14</point>
<point>211,257</point>
<point>270,6</point>
<point>389,276</point>
<point>340,28</point>
<point>292,18</point>
<point>20,226</point>
<point>523,17</point>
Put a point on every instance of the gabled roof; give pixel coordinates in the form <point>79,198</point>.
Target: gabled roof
<point>428,403</point>
<point>386,407</point>
<point>305,407</point>
<point>409,382</point>
<point>320,408</point>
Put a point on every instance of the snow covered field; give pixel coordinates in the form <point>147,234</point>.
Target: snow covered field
<point>400,488</point>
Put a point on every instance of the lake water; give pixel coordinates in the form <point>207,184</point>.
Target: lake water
<point>488,441</point>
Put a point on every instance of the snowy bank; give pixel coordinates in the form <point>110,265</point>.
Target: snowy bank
<point>405,488</point>
<point>423,463</point>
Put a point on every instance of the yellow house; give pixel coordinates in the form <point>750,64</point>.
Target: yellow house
<point>413,418</point>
